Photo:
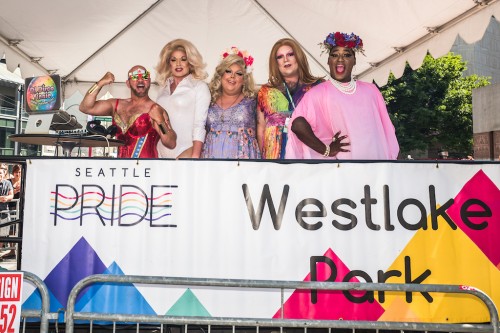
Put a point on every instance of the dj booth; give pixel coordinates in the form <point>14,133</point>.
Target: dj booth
<point>429,222</point>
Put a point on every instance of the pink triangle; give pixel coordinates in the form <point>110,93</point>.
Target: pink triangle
<point>482,188</point>
<point>331,305</point>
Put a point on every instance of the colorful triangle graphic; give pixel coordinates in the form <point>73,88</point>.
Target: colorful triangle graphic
<point>443,256</point>
<point>477,191</point>
<point>80,262</point>
<point>188,305</point>
<point>114,297</point>
<point>330,305</point>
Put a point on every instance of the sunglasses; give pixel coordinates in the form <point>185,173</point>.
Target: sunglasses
<point>144,74</point>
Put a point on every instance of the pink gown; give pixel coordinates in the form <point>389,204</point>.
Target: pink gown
<point>361,116</point>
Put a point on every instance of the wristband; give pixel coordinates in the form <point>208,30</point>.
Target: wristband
<point>93,88</point>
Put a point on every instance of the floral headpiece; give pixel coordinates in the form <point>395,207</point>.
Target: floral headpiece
<point>247,58</point>
<point>342,39</point>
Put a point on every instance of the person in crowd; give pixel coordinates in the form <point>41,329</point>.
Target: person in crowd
<point>6,195</point>
<point>185,95</point>
<point>342,118</point>
<point>15,180</point>
<point>140,122</point>
<point>289,79</point>
<point>231,121</point>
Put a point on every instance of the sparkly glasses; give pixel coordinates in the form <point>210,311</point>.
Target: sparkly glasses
<point>144,74</point>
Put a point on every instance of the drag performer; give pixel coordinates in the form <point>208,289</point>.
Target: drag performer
<point>141,122</point>
<point>342,118</point>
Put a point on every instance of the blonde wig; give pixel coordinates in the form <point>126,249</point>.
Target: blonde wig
<point>215,85</point>
<point>305,76</point>
<point>195,60</point>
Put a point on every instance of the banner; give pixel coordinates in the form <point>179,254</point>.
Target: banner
<point>422,223</point>
<point>11,286</point>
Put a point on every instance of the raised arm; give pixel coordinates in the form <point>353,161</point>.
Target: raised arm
<point>91,106</point>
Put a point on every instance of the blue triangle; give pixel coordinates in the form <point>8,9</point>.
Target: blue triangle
<point>34,302</point>
<point>114,297</point>
<point>188,305</point>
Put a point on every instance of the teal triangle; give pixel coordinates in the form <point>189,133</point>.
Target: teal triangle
<point>188,305</point>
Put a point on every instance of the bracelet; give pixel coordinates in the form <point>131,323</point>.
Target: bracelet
<point>93,88</point>
<point>327,151</point>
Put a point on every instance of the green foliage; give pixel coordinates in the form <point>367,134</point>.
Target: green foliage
<point>433,105</point>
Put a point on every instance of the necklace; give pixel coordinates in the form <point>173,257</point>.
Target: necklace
<point>348,89</point>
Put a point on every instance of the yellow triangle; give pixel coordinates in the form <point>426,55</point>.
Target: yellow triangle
<point>452,258</point>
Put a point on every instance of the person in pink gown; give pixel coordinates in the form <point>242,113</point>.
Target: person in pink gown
<point>342,118</point>
<point>141,122</point>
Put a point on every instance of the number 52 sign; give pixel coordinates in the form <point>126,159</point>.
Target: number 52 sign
<point>10,301</point>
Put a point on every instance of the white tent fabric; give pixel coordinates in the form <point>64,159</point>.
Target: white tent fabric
<point>81,40</point>
<point>9,76</point>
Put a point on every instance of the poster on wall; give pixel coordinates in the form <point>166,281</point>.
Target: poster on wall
<point>358,222</point>
<point>42,94</point>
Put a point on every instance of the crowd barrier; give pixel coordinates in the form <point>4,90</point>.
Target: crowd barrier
<point>258,324</point>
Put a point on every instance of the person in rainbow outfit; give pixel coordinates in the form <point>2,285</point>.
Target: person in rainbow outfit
<point>289,80</point>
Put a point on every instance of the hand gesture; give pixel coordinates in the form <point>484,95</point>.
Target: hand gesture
<point>337,145</point>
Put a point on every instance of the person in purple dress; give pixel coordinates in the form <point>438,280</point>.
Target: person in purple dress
<point>231,121</point>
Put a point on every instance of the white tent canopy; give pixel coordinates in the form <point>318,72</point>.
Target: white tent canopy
<point>81,40</point>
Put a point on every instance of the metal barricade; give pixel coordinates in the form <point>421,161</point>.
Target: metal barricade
<point>71,315</point>
<point>44,313</point>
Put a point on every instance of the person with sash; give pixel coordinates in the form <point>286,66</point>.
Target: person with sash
<point>342,118</point>
<point>289,80</point>
<point>140,122</point>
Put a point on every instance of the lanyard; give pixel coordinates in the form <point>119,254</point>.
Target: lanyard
<point>290,96</point>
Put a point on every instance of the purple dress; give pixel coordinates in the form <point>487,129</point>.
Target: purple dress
<point>231,132</point>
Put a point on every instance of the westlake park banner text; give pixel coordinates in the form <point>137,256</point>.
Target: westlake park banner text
<point>389,222</point>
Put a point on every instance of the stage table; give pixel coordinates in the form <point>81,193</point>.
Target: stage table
<point>66,142</point>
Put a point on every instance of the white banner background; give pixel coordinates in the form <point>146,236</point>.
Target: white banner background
<point>214,237</point>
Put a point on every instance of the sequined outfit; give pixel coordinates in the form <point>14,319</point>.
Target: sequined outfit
<point>231,132</point>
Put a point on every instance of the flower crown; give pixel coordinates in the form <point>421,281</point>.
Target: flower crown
<point>342,39</point>
<point>247,58</point>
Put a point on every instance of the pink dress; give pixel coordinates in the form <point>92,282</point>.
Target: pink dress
<point>361,116</point>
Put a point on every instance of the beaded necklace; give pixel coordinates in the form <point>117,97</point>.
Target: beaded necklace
<point>348,89</point>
